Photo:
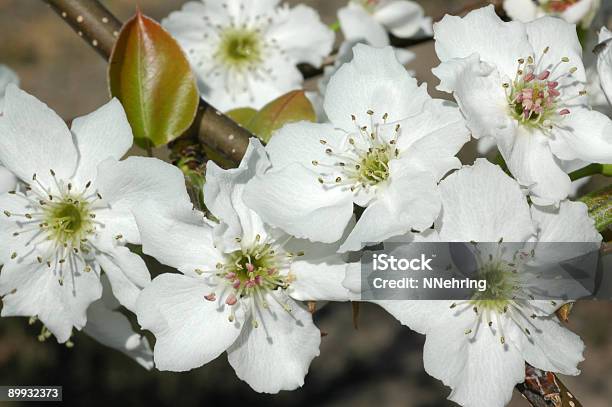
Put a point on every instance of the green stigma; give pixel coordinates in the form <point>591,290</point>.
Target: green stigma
<point>240,47</point>
<point>68,221</point>
<point>256,268</point>
<point>501,285</point>
<point>374,166</point>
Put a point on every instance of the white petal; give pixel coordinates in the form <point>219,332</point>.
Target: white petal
<point>521,10</point>
<point>9,243</point>
<point>102,134</point>
<point>483,192</point>
<point>582,10</point>
<point>445,135</point>
<point>357,24</point>
<point>111,328</point>
<point>550,346</point>
<point>374,80</point>
<point>276,355</point>
<point>301,143</point>
<point>127,273</point>
<point>402,17</point>
<point>126,184</point>
<point>34,139</point>
<point>7,76</point>
<point>419,316</point>
<point>584,135</point>
<point>569,223</point>
<point>318,274</point>
<point>562,41</point>
<point>8,181</point>
<point>261,90</point>
<point>604,61</point>
<point>293,200</point>
<point>177,236</point>
<point>189,329</point>
<point>481,31</point>
<point>477,87</point>
<point>223,192</point>
<point>411,201</point>
<point>34,290</point>
<point>469,367</point>
<point>532,163</point>
<point>304,37</point>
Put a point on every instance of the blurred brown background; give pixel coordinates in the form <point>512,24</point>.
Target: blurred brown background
<point>380,364</point>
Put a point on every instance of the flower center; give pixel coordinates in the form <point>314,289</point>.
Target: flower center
<point>534,96</point>
<point>252,272</point>
<point>68,221</point>
<point>505,295</point>
<point>254,269</point>
<point>240,47</point>
<point>363,163</point>
<point>501,286</point>
<point>57,223</point>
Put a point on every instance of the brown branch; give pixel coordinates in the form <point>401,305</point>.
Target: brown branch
<point>96,25</point>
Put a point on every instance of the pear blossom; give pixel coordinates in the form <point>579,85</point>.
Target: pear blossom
<point>523,84</point>
<point>241,284</point>
<point>69,219</point>
<point>479,346</point>
<point>245,52</point>
<point>371,19</point>
<point>387,145</point>
<point>604,62</point>
<point>572,11</point>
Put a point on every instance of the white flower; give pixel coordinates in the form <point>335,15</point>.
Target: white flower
<point>387,146</point>
<point>524,85</point>
<point>245,51</point>
<point>572,11</point>
<point>240,286</point>
<point>72,217</point>
<point>111,328</point>
<point>479,347</point>
<point>604,62</point>
<point>371,19</point>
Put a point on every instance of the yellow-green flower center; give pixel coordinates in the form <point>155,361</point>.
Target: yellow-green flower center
<point>374,166</point>
<point>501,286</point>
<point>68,221</point>
<point>240,47</point>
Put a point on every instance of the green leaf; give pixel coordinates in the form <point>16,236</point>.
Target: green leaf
<point>242,116</point>
<point>600,207</point>
<point>289,108</point>
<point>149,73</point>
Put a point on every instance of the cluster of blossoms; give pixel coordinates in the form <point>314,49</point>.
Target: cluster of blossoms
<point>281,229</point>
